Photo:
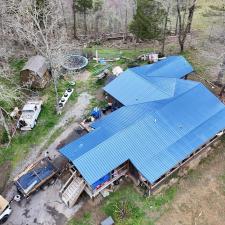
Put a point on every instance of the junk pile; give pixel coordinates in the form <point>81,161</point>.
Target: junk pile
<point>65,97</point>
<point>151,57</point>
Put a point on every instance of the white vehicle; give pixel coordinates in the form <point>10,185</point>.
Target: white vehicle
<point>5,210</point>
<point>30,113</point>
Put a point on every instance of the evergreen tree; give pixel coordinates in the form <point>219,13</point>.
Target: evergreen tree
<point>147,22</point>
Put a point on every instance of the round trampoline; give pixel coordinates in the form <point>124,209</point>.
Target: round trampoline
<point>74,62</point>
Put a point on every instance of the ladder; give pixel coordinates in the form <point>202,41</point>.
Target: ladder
<point>72,190</point>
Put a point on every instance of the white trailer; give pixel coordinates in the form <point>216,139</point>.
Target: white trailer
<point>30,113</point>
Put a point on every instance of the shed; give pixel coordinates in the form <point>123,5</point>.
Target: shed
<point>35,72</point>
<point>108,221</point>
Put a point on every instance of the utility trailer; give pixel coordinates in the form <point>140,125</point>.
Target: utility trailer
<point>36,176</point>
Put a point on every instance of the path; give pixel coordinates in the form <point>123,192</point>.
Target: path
<point>46,207</point>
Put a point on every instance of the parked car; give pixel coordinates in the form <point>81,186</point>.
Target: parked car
<point>5,210</point>
<point>29,116</point>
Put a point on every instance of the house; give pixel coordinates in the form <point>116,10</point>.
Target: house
<point>164,122</point>
<point>35,73</point>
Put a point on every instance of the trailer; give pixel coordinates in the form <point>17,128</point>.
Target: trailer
<point>36,176</point>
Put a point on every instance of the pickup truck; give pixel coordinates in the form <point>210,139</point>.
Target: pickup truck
<point>36,176</point>
<point>30,113</point>
<point>5,210</point>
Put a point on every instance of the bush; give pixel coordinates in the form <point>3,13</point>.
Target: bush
<point>4,137</point>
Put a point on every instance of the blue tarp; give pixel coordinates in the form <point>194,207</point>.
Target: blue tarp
<point>101,181</point>
<point>35,176</point>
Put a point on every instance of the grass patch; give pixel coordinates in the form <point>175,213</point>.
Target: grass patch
<point>17,64</point>
<point>158,201</point>
<point>86,220</point>
<point>128,207</point>
<point>22,143</point>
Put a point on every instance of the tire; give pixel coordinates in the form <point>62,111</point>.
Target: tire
<point>52,181</point>
<point>44,187</point>
<point>4,219</point>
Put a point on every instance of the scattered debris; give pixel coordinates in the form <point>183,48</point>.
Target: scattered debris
<point>117,70</point>
<point>102,75</point>
<point>15,113</point>
<point>103,60</point>
<point>65,97</point>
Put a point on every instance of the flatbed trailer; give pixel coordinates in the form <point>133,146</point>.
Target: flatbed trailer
<point>35,176</point>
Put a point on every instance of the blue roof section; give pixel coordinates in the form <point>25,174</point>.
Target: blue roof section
<point>171,67</point>
<point>149,83</point>
<point>130,88</point>
<point>156,141</point>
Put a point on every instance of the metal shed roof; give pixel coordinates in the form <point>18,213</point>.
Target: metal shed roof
<point>149,83</point>
<point>158,137</point>
<point>37,64</point>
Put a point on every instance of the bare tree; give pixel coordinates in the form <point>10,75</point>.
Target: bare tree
<point>9,94</point>
<point>185,12</point>
<point>47,37</point>
<point>74,19</point>
<point>165,27</point>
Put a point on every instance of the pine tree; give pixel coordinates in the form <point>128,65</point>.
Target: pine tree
<point>147,22</point>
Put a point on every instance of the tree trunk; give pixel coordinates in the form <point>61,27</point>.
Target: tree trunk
<point>74,19</point>
<point>176,28</point>
<point>64,18</point>
<point>55,81</point>
<point>4,124</point>
<point>183,30</point>
<point>126,24</point>
<point>85,23</point>
<point>165,28</point>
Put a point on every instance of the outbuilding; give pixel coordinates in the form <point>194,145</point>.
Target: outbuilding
<point>35,73</point>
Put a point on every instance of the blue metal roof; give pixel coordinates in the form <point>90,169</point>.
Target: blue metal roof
<point>149,83</point>
<point>172,66</point>
<point>154,136</point>
<point>130,88</point>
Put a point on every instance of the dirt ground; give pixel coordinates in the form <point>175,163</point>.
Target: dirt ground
<point>200,199</point>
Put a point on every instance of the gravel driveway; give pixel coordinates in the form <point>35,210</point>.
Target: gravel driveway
<point>46,207</point>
